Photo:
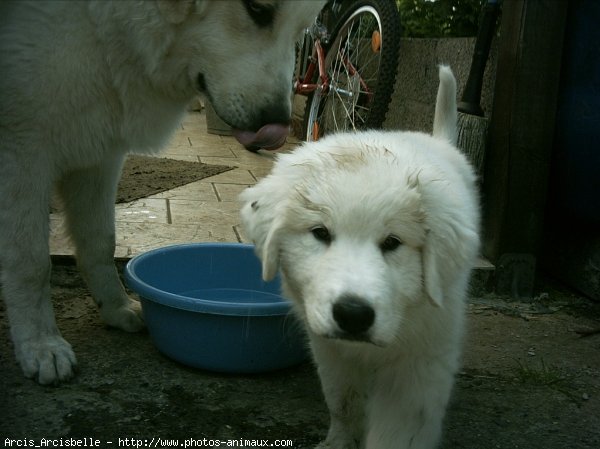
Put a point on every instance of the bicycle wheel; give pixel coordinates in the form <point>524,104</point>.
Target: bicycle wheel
<point>361,65</point>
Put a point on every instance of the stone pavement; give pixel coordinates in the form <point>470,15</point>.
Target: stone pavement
<point>202,211</point>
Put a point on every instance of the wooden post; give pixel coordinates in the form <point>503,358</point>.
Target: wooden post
<point>520,138</point>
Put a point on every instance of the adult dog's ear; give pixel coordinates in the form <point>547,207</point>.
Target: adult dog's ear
<point>450,249</point>
<point>175,11</point>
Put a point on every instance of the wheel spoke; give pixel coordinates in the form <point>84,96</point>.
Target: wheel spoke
<point>353,66</point>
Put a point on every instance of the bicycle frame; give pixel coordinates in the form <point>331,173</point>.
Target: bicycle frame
<point>304,86</point>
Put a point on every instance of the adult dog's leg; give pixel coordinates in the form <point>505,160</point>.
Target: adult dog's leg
<point>89,197</point>
<point>25,271</point>
<point>343,388</point>
<point>408,404</point>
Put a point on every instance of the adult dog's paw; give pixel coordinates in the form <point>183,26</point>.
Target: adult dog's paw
<point>327,445</point>
<point>337,443</point>
<point>49,360</point>
<point>127,317</point>
<point>323,445</point>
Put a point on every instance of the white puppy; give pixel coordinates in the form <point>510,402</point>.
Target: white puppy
<point>375,234</point>
<point>82,84</point>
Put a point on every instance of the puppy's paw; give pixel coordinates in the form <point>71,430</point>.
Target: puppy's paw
<point>127,317</point>
<point>50,359</point>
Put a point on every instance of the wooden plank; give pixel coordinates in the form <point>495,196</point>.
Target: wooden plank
<point>522,127</point>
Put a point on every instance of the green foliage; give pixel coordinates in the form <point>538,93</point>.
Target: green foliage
<point>439,18</point>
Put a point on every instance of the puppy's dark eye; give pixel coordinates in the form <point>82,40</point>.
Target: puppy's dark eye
<point>390,243</point>
<point>321,233</point>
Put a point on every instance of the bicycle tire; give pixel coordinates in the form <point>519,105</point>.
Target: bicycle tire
<point>320,116</point>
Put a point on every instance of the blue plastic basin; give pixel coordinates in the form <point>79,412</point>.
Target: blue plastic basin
<point>206,305</point>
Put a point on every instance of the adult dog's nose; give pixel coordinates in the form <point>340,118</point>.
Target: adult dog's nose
<point>268,130</point>
<point>353,315</point>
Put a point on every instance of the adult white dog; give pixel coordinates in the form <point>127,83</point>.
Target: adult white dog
<point>375,234</point>
<point>82,84</point>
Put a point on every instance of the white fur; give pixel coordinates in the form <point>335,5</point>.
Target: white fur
<point>390,388</point>
<point>82,84</point>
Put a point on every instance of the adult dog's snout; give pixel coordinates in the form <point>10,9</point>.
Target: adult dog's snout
<point>353,315</point>
<point>278,112</point>
<point>269,130</point>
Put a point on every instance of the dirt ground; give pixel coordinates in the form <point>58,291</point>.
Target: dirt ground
<point>530,380</point>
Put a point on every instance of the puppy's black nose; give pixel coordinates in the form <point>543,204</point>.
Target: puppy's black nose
<point>353,314</point>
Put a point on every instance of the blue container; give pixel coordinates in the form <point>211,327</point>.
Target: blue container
<point>206,305</point>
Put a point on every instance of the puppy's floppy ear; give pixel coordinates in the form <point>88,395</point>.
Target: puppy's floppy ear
<point>262,219</point>
<point>266,210</point>
<point>431,275</point>
<point>270,250</point>
<point>450,249</point>
<point>175,11</point>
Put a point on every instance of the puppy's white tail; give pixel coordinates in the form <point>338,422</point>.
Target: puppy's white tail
<point>444,122</point>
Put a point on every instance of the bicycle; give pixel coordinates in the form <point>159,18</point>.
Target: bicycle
<point>348,75</point>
